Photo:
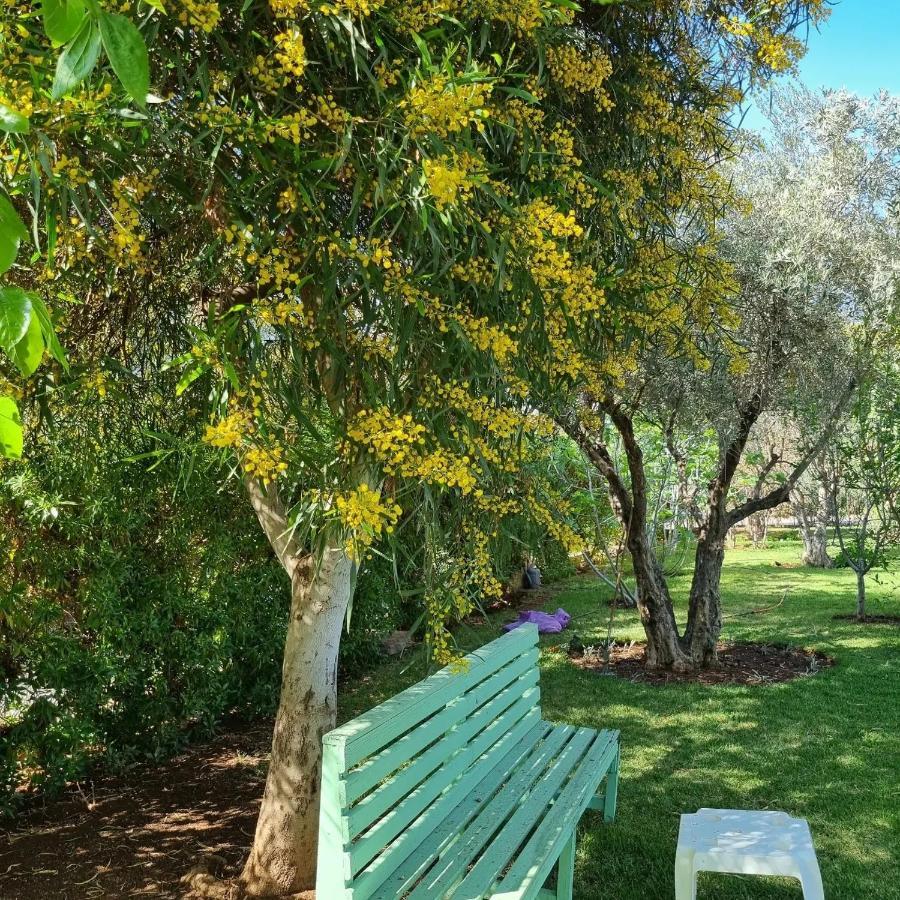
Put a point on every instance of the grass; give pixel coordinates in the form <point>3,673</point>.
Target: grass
<point>826,748</point>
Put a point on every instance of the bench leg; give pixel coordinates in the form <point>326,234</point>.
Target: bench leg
<point>685,877</point>
<point>565,872</point>
<point>612,790</point>
<point>811,879</point>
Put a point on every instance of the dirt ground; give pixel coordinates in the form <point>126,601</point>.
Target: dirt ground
<point>137,835</point>
<point>740,663</point>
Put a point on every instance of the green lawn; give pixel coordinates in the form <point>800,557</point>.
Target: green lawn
<point>826,747</point>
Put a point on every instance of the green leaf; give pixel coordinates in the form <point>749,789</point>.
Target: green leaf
<point>10,429</point>
<point>51,341</point>
<point>62,18</point>
<point>77,59</point>
<point>127,54</point>
<point>12,233</point>
<point>13,122</point>
<point>188,377</point>
<point>15,317</point>
<point>29,352</point>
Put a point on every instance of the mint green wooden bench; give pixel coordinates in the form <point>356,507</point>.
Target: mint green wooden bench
<point>458,788</point>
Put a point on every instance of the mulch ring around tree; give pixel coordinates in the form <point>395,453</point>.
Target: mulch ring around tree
<point>878,619</point>
<point>738,663</point>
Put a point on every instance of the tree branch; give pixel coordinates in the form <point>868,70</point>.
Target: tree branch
<point>780,494</point>
<point>270,511</point>
<point>598,455</point>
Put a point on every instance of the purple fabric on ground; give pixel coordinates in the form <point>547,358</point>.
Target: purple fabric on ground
<point>546,623</point>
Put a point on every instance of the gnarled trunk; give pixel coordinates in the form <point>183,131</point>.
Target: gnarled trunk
<point>283,857</point>
<point>664,648</point>
<point>705,610</point>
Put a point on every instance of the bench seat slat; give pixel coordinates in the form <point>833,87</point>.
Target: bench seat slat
<point>447,747</point>
<point>535,860</point>
<point>368,882</point>
<point>366,734</point>
<point>369,773</point>
<point>503,848</point>
<point>453,827</point>
<point>455,861</point>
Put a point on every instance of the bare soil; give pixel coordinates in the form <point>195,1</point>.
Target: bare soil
<point>738,663</point>
<point>136,835</point>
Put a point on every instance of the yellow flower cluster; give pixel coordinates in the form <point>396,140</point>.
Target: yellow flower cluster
<point>127,237</point>
<point>71,169</point>
<point>391,437</point>
<point>366,517</point>
<point>290,52</point>
<point>288,310</point>
<point>779,52</point>
<point>288,9</point>
<point>295,127</point>
<point>230,430</point>
<point>265,463</point>
<point>443,107</point>
<point>524,16</point>
<point>202,14</point>
<point>414,16</point>
<point>451,178</point>
<point>288,200</point>
<point>581,73</point>
<point>351,8</point>
<point>97,381</point>
<point>444,468</point>
<point>484,334</point>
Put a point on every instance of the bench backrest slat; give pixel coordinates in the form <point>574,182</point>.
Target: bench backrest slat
<point>391,775</point>
<point>368,733</point>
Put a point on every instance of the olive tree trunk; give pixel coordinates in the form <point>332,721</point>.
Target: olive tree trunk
<point>814,525</point>
<point>283,856</point>
<point>860,593</point>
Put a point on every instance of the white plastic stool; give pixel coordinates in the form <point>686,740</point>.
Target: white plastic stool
<point>745,843</point>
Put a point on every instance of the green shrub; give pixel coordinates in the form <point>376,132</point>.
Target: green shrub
<point>872,558</point>
<point>554,561</point>
<point>131,619</point>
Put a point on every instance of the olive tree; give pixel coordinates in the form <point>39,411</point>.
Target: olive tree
<point>813,253</point>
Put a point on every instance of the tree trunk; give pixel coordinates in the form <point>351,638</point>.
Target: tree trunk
<point>283,857</point>
<point>815,532</point>
<point>757,528</point>
<point>815,552</point>
<point>705,610</point>
<point>664,648</point>
<point>860,593</point>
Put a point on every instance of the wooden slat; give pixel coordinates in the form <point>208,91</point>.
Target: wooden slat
<point>535,860</point>
<point>366,883</point>
<point>365,735</point>
<point>453,826</point>
<point>502,849</point>
<point>478,833</point>
<point>380,835</point>
<point>389,794</point>
<point>377,768</point>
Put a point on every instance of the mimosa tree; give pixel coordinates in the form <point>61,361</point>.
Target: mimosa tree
<point>397,227</point>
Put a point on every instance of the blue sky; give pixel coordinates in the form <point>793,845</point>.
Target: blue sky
<point>857,48</point>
